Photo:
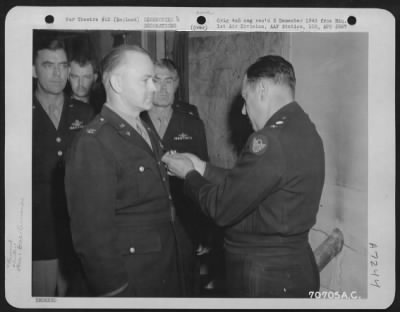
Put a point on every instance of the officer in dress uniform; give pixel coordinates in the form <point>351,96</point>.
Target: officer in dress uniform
<point>180,128</point>
<point>56,120</point>
<point>123,221</point>
<point>269,200</point>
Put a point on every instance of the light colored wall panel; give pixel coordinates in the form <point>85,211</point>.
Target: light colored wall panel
<point>332,80</point>
<point>217,62</point>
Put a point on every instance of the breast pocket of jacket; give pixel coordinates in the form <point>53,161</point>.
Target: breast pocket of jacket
<point>139,179</point>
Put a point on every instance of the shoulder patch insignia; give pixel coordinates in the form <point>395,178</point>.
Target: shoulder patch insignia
<point>259,144</point>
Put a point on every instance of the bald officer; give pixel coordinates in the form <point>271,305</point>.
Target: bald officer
<point>122,218</point>
<point>269,201</point>
<point>180,128</point>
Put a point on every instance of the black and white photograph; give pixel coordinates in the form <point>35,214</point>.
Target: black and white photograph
<point>232,159</point>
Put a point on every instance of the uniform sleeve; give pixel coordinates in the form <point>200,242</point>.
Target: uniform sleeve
<point>256,175</point>
<point>215,174</point>
<point>91,187</point>
<point>202,146</point>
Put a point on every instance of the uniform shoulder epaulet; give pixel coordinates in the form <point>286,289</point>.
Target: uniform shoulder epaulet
<point>95,125</point>
<point>186,108</point>
<point>74,103</point>
<point>80,106</point>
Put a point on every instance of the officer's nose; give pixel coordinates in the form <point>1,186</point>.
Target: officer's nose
<point>152,86</point>
<point>244,111</point>
<point>57,71</point>
<point>163,86</point>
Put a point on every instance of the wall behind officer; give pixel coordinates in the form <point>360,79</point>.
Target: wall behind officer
<point>268,202</point>
<point>122,218</point>
<point>56,120</point>
<point>179,128</point>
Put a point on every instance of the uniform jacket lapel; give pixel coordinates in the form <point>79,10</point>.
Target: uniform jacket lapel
<point>126,130</point>
<point>156,142</point>
<point>146,118</point>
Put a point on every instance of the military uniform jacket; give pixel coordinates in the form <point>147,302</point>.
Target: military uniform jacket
<point>273,192</point>
<point>49,214</point>
<point>185,133</point>
<point>122,217</point>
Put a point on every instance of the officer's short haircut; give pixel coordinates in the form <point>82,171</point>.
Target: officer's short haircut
<point>83,59</point>
<point>275,68</point>
<point>46,40</point>
<point>115,57</point>
<point>168,64</point>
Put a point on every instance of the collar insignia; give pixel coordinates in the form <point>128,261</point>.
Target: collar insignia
<point>279,123</point>
<point>259,144</point>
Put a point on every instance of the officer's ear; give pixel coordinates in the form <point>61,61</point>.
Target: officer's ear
<point>34,75</point>
<point>115,82</point>
<point>176,84</point>
<point>262,89</point>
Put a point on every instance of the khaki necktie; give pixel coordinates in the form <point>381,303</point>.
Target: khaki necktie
<point>142,131</point>
<point>161,126</point>
<point>53,113</point>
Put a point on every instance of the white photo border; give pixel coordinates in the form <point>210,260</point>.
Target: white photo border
<point>20,23</point>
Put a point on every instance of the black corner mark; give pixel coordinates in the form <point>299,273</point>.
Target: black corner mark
<point>201,20</point>
<point>49,19</point>
<point>351,20</point>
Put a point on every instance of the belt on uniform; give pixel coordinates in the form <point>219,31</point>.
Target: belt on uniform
<point>141,220</point>
<point>246,242</point>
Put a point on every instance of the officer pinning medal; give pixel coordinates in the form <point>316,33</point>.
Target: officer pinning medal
<point>268,201</point>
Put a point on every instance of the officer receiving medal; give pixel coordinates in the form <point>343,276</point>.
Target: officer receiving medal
<point>123,220</point>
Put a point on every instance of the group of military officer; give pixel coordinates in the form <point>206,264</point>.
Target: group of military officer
<point>56,269</point>
<point>136,197</point>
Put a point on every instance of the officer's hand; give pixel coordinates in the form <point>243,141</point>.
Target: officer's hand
<point>178,164</point>
<point>199,165</point>
<point>202,250</point>
<point>170,152</point>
